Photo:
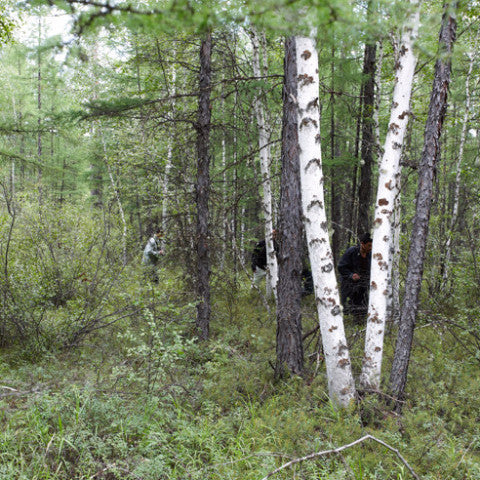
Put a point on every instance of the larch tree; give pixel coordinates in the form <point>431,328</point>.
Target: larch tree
<point>458,176</point>
<point>202,190</point>
<point>426,174</point>
<point>339,374</point>
<point>368,137</point>
<point>289,325</point>
<point>265,160</point>
<point>388,189</point>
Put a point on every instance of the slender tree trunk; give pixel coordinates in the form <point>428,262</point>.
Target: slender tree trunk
<point>388,188</point>
<point>203,190</point>
<point>265,159</point>
<point>39,110</point>
<point>416,257</point>
<point>368,140</point>
<point>117,198</point>
<point>339,374</point>
<point>458,176</point>
<point>289,325</point>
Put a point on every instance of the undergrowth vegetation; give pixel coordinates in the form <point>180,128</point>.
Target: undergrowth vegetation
<point>102,377</point>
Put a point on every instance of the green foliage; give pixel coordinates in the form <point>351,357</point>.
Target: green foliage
<point>55,258</point>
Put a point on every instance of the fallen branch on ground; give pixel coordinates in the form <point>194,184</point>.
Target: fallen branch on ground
<point>340,449</point>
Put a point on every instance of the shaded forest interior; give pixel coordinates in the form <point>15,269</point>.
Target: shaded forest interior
<point>217,125</point>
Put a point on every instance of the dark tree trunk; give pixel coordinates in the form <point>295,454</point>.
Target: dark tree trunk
<point>335,203</point>
<point>289,325</point>
<point>426,174</point>
<point>202,190</point>
<point>368,140</point>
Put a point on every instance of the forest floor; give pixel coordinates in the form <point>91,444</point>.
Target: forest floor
<point>142,400</point>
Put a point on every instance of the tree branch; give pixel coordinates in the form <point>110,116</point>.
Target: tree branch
<point>340,449</point>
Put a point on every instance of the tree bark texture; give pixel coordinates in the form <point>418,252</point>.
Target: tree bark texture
<point>368,139</point>
<point>337,360</point>
<point>426,173</point>
<point>265,159</point>
<point>387,191</point>
<point>202,190</point>
<point>289,326</point>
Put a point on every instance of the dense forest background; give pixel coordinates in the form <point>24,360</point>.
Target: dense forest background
<point>107,375</point>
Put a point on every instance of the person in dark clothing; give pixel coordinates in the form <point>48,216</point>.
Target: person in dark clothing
<point>354,269</point>
<point>259,258</point>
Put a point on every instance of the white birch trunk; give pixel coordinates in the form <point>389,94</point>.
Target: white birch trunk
<point>458,177</point>
<point>388,188</point>
<point>337,360</point>
<point>378,98</point>
<point>264,148</point>
<point>168,164</point>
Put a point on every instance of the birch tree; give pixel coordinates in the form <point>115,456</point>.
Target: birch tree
<point>388,188</point>
<point>416,255</point>
<point>265,159</point>
<point>339,374</point>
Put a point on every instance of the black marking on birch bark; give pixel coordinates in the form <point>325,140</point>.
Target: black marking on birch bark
<point>305,79</point>
<point>312,204</point>
<point>378,221</point>
<point>403,114</point>
<point>385,211</point>
<point>394,128</point>
<point>385,292</point>
<point>306,54</point>
<point>324,226</point>
<point>403,50</point>
<point>305,121</point>
<point>378,256</point>
<point>313,241</point>
<point>343,362</point>
<point>314,161</point>
<point>335,310</point>
<point>389,185</point>
<point>378,349</point>
<point>386,238</point>
<point>313,104</point>
<point>383,201</point>
<point>332,328</point>
<point>327,268</point>
<point>342,348</point>
<point>374,285</point>
<point>394,105</point>
<point>396,146</point>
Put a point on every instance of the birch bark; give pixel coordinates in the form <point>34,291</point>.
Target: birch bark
<point>265,159</point>
<point>428,163</point>
<point>339,374</point>
<point>168,163</point>
<point>388,188</point>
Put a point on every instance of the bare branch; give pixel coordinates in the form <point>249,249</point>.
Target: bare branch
<point>340,449</point>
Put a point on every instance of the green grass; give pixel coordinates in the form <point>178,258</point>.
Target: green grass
<point>140,400</point>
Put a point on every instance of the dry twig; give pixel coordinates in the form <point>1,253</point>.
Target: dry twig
<point>340,449</point>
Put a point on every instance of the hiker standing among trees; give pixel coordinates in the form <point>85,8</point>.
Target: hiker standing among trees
<point>151,255</point>
<point>259,258</point>
<point>354,268</point>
